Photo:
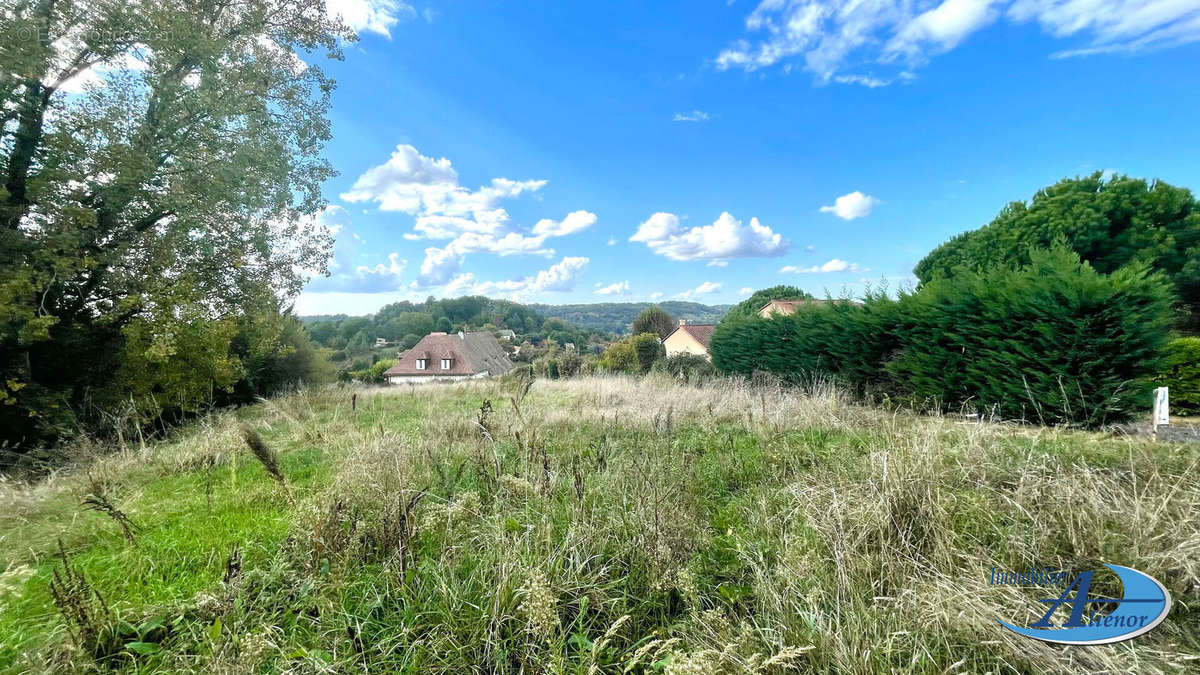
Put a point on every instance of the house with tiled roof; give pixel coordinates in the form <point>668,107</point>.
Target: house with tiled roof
<point>442,357</point>
<point>689,338</point>
<point>786,307</point>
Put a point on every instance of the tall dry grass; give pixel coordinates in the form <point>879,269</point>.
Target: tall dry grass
<point>611,524</point>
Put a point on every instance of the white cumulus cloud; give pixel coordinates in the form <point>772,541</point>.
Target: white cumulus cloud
<point>560,277</point>
<point>346,273</point>
<point>374,16</point>
<point>473,221</point>
<point>574,222</point>
<point>703,289</point>
<point>834,265</point>
<point>619,288</point>
<point>851,206</point>
<point>746,290</point>
<point>694,116</point>
<point>849,41</point>
<point>413,183</point>
<point>725,238</point>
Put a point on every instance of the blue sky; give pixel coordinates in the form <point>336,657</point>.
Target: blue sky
<point>628,151</point>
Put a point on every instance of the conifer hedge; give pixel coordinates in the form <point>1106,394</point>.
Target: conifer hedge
<point>1181,372</point>
<point>1053,342</point>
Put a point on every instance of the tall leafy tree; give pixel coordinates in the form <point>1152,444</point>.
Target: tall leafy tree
<point>179,182</point>
<point>1108,223</point>
<point>654,319</point>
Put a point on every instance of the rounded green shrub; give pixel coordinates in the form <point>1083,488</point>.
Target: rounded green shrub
<point>1181,373</point>
<point>690,367</point>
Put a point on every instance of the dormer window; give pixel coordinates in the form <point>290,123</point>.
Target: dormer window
<point>420,364</point>
<point>446,364</point>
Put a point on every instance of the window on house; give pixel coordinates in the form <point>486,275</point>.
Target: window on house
<point>445,364</point>
<point>420,364</point>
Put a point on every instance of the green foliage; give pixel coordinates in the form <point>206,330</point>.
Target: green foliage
<point>1054,341</point>
<point>570,363</point>
<point>374,374</point>
<point>690,367</point>
<point>654,319</point>
<point>1181,373</point>
<point>616,317</point>
<point>276,353</point>
<point>1109,224</point>
<point>849,341</point>
<point>680,507</point>
<point>361,343</point>
<point>648,349</point>
<point>172,363</point>
<point>620,357</point>
<point>400,320</point>
<point>751,305</point>
<point>188,183</point>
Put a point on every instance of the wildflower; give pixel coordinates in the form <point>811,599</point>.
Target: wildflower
<point>516,485</point>
<point>537,604</point>
<point>685,583</point>
<point>208,607</point>
<point>701,663</point>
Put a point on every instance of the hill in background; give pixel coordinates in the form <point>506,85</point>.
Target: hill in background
<point>608,317</point>
<point>616,317</point>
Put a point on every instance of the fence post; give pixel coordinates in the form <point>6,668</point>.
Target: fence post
<point>353,402</point>
<point>1162,411</point>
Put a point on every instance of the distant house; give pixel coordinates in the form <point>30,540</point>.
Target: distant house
<point>786,307</point>
<point>442,357</point>
<point>780,307</point>
<point>506,334</point>
<point>689,338</point>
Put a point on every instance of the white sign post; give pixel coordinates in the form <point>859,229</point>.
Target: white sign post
<point>1162,413</point>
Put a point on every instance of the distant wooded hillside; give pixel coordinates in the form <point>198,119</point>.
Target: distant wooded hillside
<point>616,317</point>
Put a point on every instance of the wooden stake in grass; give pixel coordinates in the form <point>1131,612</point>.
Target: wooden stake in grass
<point>266,456</point>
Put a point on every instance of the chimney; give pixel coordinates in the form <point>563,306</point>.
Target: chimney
<point>683,322</point>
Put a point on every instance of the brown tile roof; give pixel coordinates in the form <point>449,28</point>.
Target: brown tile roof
<point>701,332</point>
<point>469,354</point>
<point>789,306</point>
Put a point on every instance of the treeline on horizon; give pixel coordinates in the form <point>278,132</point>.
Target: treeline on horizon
<point>1065,310</point>
<point>603,317</point>
<point>404,323</point>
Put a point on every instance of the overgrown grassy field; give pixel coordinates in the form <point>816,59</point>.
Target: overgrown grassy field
<point>599,525</point>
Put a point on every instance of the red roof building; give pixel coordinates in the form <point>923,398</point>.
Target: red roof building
<point>451,356</point>
<point>689,338</point>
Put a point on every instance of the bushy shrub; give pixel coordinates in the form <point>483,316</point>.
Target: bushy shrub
<point>690,367</point>
<point>1054,341</point>
<point>570,363</point>
<point>374,374</point>
<point>848,340</point>
<point>633,355</point>
<point>1181,373</point>
<point>648,349</point>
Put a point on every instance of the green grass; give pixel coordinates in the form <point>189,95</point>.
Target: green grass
<point>632,526</point>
